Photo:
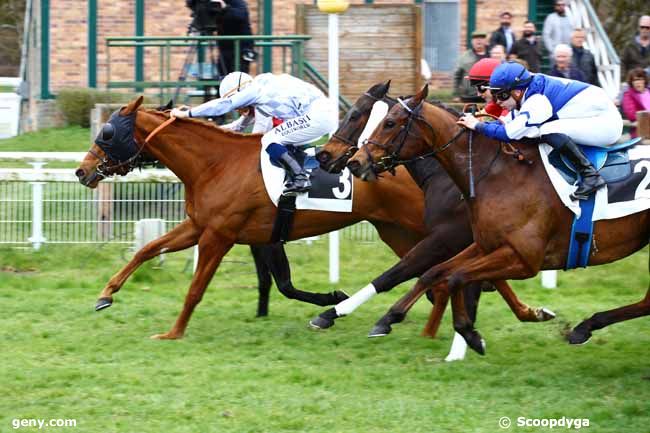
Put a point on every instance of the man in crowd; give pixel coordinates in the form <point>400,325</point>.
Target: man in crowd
<point>234,20</point>
<point>528,48</point>
<point>636,53</point>
<point>503,35</point>
<point>557,27</point>
<point>563,66</point>
<point>462,89</point>
<point>582,57</point>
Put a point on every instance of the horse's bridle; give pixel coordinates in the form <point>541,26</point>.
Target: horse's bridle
<point>109,167</point>
<point>389,162</point>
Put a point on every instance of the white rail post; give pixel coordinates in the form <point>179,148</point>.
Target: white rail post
<point>333,76</point>
<point>333,8</point>
<point>549,279</point>
<point>37,238</point>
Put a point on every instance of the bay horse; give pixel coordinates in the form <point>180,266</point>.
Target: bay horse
<point>520,226</point>
<point>226,201</point>
<point>446,219</point>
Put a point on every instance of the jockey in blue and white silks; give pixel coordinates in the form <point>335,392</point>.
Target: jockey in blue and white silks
<point>306,112</point>
<point>559,111</point>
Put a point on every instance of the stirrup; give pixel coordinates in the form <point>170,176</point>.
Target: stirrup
<point>294,187</point>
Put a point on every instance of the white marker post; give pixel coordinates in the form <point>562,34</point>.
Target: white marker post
<point>333,8</point>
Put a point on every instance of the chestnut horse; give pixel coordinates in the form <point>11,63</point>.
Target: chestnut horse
<point>445,216</point>
<point>520,225</point>
<point>227,203</point>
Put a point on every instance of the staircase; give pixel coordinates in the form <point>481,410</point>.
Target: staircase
<point>583,15</point>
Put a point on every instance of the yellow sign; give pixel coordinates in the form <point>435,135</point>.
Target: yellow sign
<point>333,6</point>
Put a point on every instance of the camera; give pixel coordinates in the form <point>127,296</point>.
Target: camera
<point>205,14</point>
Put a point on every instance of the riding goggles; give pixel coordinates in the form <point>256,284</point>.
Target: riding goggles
<point>501,95</point>
<point>481,86</point>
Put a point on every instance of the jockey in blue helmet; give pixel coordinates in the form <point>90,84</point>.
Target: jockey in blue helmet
<point>559,111</point>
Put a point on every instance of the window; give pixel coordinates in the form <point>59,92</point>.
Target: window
<point>441,34</point>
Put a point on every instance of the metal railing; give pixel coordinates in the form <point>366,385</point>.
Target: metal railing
<point>40,205</point>
<point>292,55</point>
<point>582,15</point>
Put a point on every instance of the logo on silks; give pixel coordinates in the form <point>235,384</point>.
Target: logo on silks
<point>289,126</point>
<point>116,138</point>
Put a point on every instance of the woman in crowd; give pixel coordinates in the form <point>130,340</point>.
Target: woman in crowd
<point>637,96</point>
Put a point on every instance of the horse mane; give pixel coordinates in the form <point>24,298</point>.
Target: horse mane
<point>208,125</point>
<point>434,102</point>
<point>447,108</point>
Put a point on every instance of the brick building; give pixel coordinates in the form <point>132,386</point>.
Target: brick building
<point>67,39</point>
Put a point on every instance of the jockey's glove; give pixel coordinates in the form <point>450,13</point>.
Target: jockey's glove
<point>181,112</point>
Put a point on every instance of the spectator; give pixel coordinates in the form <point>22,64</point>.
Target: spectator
<point>503,35</point>
<point>557,27</point>
<point>582,57</point>
<point>636,53</point>
<point>637,96</point>
<point>462,90</point>
<point>563,67</point>
<point>528,48</point>
<point>234,20</point>
<point>498,52</point>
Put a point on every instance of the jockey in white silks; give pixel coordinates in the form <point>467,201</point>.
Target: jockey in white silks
<point>306,113</point>
<point>559,111</point>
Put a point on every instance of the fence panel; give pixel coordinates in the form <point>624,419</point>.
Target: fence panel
<point>72,213</point>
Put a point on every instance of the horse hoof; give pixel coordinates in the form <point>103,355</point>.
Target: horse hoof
<point>340,296</point>
<point>103,303</point>
<point>544,314</point>
<point>579,337</point>
<point>379,331</point>
<point>324,320</point>
<point>165,336</point>
<point>319,322</point>
<point>475,341</point>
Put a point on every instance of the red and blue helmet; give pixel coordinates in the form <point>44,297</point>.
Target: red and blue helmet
<point>510,76</point>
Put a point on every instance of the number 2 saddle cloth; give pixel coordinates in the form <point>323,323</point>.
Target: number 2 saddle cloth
<point>626,169</point>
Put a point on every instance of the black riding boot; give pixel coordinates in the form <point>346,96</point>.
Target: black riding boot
<point>299,178</point>
<point>590,179</point>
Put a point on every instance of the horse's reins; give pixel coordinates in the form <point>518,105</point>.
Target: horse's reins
<point>389,162</point>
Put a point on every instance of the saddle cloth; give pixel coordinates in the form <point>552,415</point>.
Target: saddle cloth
<point>628,182</point>
<point>329,192</point>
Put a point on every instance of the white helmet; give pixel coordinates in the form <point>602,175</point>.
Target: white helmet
<point>233,83</point>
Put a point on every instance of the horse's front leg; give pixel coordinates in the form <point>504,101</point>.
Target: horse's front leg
<point>501,264</point>
<point>430,278</point>
<point>212,248</point>
<point>180,237</point>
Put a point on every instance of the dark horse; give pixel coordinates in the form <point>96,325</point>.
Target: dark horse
<point>446,219</point>
<point>226,201</point>
<point>520,226</point>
